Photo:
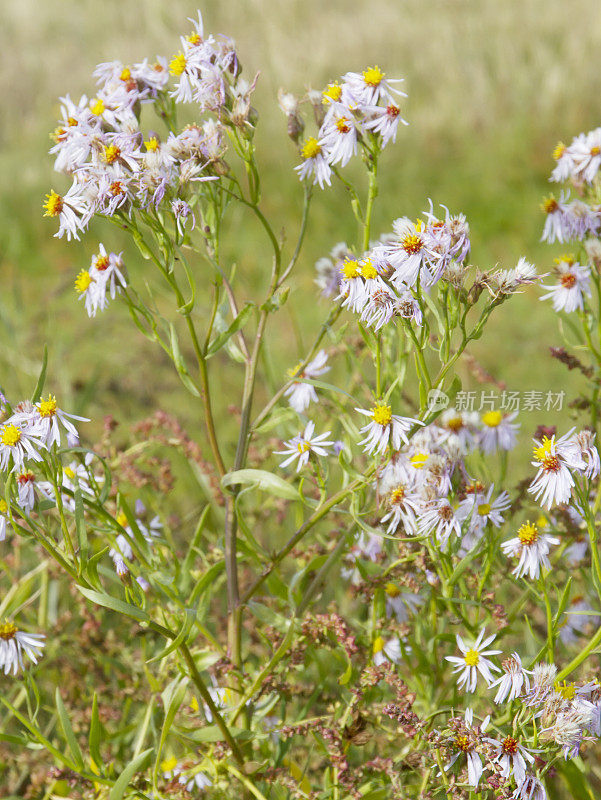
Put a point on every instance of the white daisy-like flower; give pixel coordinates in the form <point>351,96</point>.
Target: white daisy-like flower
<point>481,509</point>
<point>401,604</point>
<point>553,482</point>
<point>466,742</point>
<point>300,395</point>
<point>316,163</point>
<point>543,680</point>
<point>73,210</point>
<point>46,420</point>
<point>338,134</point>
<point>512,756</point>
<point>473,661</point>
<point>301,446</point>
<point>532,547</point>
<point>439,519</point>
<point>513,681</point>
<point>367,88</point>
<point>17,443</point>
<point>398,497</point>
<point>384,428</point>
<point>15,643</point>
<point>499,431</point>
<point>391,651</point>
<point>530,789</point>
<point>585,451</point>
<point>384,120</point>
<point>572,287</point>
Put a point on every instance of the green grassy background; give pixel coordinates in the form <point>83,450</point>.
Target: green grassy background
<point>492,86</point>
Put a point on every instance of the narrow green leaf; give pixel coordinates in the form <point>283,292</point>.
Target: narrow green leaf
<point>260,479</point>
<point>173,697</point>
<point>39,387</point>
<point>95,736</point>
<point>103,599</point>
<point>68,730</point>
<point>128,773</point>
<point>180,364</point>
<point>220,340</point>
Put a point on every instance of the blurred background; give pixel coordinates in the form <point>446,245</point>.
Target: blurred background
<point>492,87</point>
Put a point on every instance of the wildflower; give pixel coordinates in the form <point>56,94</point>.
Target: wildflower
<point>474,661</point>
<point>585,453</point>
<point>384,428</point>
<point>513,680</point>
<point>328,269</point>
<point>572,287</point>
<point>73,210</point>
<point>368,87</point>
<point>300,447</point>
<point>387,651</point>
<point>512,756</point>
<point>499,431</point>
<point>532,547</point>
<point>543,677</point>
<point>384,121</point>
<point>399,498</point>
<point>401,604</point>
<point>553,482</point>
<point>481,509</point>
<point>300,395</point>
<point>14,643</point>
<point>530,789</point>
<point>181,212</point>
<point>18,443</point>
<point>439,519</point>
<point>315,163</point>
<point>26,489</point>
<point>46,420</point>
<point>466,741</point>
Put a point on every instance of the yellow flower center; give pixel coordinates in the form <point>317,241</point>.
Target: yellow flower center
<point>566,690</point>
<point>492,419</point>
<point>472,657</point>
<point>397,496</point>
<point>111,153</point>
<point>549,205</point>
<point>373,76</point>
<point>3,506</point>
<point>177,64</point>
<point>595,150</point>
<point>381,414</point>
<point>455,424</point>
<point>332,92</point>
<point>392,590</point>
<point>47,408</point>
<point>378,645</point>
<point>368,271</point>
<point>310,148</point>
<point>419,460</point>
<point>463,743</point>
<point>412,243</point>
<point>342,125</point>
<point>83,281</point>
<point>122,519</point>
<point>528,533</point>
<point>152,144</point>
<point>559,150</point>
<point>101,263</point>
<point>350,269</point>
<point>542,522</point>
<point>70,473</point>
<point>125,75</point>
<point>97,106</point>
<point>53,205</point>
<point>295,371</point>
<point>510,746</point>
<point>11,436</point>
<point>303,446</point>
<point>168,764</point>
<point>484,509</point>
<point>8,631</point>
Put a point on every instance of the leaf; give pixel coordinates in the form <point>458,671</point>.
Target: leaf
<point>103,599</point>
<point>180,364</point>
<point>39,736</point>
<point>172,696</point>
<point>80,528</point>
<point>95,734</point>
<point>220,340</point>
<point>68,730</point>
<point>37,392</point>
<point>128,773</point>
<point>260,479</point>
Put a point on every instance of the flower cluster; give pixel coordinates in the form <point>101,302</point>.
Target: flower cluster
<point>359,111</point>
